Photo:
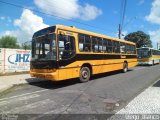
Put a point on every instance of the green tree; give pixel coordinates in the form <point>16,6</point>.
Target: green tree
<point>8,42</point>
<point>140,38</point>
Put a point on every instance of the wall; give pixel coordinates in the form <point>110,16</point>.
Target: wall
<point>14,60</point>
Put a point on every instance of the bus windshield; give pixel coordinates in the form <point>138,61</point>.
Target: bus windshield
<point>144,53</point>
<point>44,47</point>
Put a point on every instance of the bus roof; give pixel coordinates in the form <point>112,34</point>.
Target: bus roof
<point>74,29</point>
<point>148,48</point>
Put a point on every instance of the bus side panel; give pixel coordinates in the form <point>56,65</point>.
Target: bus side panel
<point>156,59</point>
<point>65,74</point>
<point>106,68</point>
<point>72,70</point>
<point>112,65</point>
<point>132,63</point>
<point>68,73</point>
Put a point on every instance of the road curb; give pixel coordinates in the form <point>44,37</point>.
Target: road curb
<point>5,88</point>
<point>21,82</point>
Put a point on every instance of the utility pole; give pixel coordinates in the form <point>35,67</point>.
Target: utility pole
<point>158,44</point>
<point>122,17</point>
<point>119,31</point>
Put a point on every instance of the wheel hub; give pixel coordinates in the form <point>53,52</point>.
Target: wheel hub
<point>84,74</point>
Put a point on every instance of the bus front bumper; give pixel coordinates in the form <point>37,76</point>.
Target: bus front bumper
<point>145,63</point>
<point>48,76</point>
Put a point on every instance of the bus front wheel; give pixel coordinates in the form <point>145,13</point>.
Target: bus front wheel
<point>85,74</point>
<point>125,67</point>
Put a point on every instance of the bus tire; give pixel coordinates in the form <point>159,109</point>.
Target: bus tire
<point>125,67</point>
<point>85,74</point>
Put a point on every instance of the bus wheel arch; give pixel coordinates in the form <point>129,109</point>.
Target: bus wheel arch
<point>85,72</point>
<point>125,67</point>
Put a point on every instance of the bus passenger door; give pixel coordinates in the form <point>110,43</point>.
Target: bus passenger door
<point>66,54</point>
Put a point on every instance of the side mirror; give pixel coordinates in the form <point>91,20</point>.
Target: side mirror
<point>24,46</point>
<point>27,45</point>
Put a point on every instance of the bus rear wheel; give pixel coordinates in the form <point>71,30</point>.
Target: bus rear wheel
<point>125,67</point>
<point>85,74</point>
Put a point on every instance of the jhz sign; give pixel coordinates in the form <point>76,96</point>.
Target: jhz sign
<point>15,58</point>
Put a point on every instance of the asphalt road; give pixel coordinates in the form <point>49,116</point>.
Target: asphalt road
<point>105,93</point>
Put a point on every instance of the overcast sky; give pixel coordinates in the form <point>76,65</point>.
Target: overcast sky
<point>101,16</point>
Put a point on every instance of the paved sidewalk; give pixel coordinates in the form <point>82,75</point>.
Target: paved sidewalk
<point>146,106</point>
<point>148,102</point>
<point>9,81</point>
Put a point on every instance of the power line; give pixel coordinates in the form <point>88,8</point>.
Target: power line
<point>122,16</point>
<point>121,13</point>
<point>129,21</point>
<point>20,6</point>
<point>124,12</point>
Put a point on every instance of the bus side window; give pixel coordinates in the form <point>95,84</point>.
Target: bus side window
<point>153,52</point>
<point>84,43</point>
<point>97,44</point>
<point>104,45</point>
<point>122,47</point>
<point>117,47</point>
<point>100,45</point>
<point>113,46</point>
<point>94,44</point>
<point>127,49</point>
<point>133,49</point>
<point>109,46</point>
<point>87,44</point>
<point>158,52</point>
<point>81,42</point>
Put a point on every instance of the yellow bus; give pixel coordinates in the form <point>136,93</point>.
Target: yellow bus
<point>64,52</point>
<point>148,56</point>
